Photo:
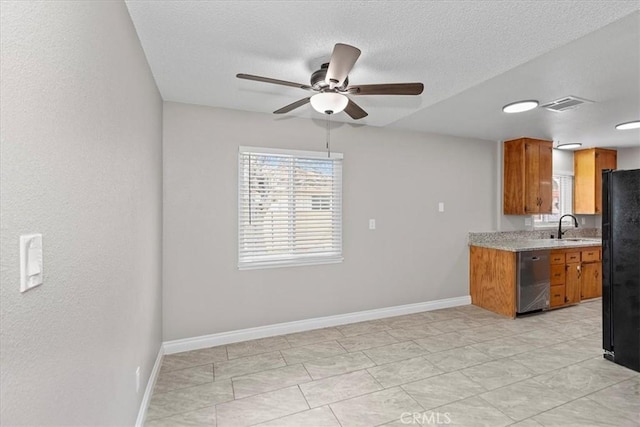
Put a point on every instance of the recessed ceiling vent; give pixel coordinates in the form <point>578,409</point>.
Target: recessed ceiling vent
<point>565,103</point>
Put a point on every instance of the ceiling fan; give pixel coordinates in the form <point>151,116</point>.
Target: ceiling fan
<point>331,82</point>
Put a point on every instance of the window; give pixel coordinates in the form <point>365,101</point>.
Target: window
<point>562,203</point>
<point>289,208</point>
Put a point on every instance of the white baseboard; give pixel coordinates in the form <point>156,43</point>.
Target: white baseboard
<point>148,391</point>
<point>205,341</point>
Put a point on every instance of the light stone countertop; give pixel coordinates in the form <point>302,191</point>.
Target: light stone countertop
<point>538,244</point>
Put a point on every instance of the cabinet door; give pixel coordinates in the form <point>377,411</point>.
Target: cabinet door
<point>531,177</point>
<point>605,159</point>
<point>591,280</point>
<point>545,177</point>
<point>572,283</point>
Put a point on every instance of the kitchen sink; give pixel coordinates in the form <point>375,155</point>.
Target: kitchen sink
<point>594,240</point>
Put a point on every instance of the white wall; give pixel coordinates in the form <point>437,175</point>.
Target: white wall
<point>81,164</point>
<point>629,158</point>
<point>416,254</point>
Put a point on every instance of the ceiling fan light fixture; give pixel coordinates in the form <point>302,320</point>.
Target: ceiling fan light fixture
<point>628,125</point>
<point>520,106</point>
<point>569,145</point>
<point>329,102</point>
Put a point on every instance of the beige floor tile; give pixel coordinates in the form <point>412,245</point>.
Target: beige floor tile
<point>336,365</point>
<point>546,359</point>
<point>188,359</point>
<point>408,321</point>
<point>250,348</point>
<point>334,389</point>
<point>189,399</point>
<point>395,352</point>
<point>312,351</point>
<point>559,359</point>
<point>442,389</point>
<point>317,417</point>
<point>487,333</point>
<point>542,337</point>
<point>272,379</point>
<point>247,365</point>
<point>403,372</point>
<point>446,341</point>
<point>524,399</point>
<point>364,342</point>
<point>622,398</point>
<point>457,358</point>
<point>504,347</point>
<point>471,412</point>
<point>576,328</point>
<point>200,417</point>
<point>529,422</point>
<point>414,332</point>
<point>362,328</point>
<point>498,373</point>
<point>312,337</point>
<point>260,408</point>
<point>585,377</point>
<point>374,408</point>
<point>183,378</point>
<point>584,413</point>
<point>457,324</point>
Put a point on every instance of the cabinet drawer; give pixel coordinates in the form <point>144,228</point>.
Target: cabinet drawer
<point>573,257</point>
<point>557,258</point>
<point>557,274</point>
<point>557,295</point>
<point>591,255</point>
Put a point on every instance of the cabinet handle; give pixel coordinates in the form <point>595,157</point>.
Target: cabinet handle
<point>579,271</point>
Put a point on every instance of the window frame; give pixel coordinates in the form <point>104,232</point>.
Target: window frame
<point>300,259</point>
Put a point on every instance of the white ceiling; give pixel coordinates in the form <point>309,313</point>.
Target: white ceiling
<point>472,56</point>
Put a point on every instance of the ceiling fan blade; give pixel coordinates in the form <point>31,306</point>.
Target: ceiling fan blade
<point>342,60</point>
<point>354,110</point>
<point>292,106</point>
<point>273,81</point>
<point>387,89</point>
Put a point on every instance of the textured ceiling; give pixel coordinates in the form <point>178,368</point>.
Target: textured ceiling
<point>467,53</point>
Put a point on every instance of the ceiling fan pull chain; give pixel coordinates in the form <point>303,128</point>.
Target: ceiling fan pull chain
<point>328,135</point>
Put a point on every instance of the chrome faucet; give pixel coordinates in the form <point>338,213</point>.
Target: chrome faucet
<point>560,232</point>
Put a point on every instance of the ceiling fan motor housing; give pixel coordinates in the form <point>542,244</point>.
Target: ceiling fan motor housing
<point>319,84</point>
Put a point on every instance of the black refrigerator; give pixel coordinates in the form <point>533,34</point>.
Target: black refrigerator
<point>621,267</point>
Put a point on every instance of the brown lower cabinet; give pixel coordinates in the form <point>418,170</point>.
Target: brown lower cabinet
<point>575,275</point>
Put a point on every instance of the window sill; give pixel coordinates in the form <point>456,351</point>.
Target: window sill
<point>289,263</point>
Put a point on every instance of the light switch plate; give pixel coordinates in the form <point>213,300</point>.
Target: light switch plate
<point>372,224</point>
<point>31,265</point>
<point>440,206</point>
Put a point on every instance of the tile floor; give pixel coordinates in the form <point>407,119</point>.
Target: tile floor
<point>458,366</point>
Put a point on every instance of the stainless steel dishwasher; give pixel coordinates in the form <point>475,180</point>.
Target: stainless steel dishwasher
<point>533,281</point>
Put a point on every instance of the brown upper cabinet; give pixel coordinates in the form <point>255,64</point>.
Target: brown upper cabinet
<point>527,176</point>
<point>587,185</point>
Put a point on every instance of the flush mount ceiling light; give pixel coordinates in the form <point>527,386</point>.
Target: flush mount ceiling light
<point>329,102</point>
<point>520,106</point>
<point>629,125</point>
<point>568,145</point>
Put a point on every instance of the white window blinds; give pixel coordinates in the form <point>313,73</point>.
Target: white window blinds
<point>289,207</point>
